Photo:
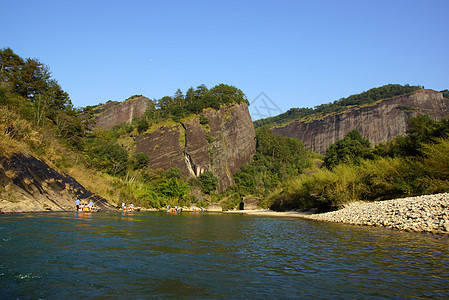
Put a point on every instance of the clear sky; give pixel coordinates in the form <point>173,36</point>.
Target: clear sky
<point>298,53</point>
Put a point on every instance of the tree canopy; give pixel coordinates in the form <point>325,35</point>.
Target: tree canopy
<point>349,149</point>
<point>194,101</point>
<point>32,80</point>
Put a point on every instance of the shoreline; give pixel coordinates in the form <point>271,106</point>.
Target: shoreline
<point>427,213</point>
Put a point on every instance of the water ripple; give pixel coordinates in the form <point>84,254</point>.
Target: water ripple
<point>197,256</point>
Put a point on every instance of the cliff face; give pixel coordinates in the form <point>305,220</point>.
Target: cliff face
<point>117,113</point>
<point>222,145</point>
<point>28,184</point>
<point>379,123</point>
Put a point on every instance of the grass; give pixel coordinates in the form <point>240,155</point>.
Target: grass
<point>380,179</point>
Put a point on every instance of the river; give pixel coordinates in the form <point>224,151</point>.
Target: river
<point>205,255</point>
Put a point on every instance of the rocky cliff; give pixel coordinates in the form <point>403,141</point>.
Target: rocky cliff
<point>380,122</point>
<point>28,184</point>
<point>116,113</point>
<point>222,144</point>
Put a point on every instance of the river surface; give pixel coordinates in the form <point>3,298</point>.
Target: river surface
<point>193,255</point>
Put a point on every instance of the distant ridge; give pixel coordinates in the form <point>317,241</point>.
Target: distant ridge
<point>344,104</point>
<point>378,121</point>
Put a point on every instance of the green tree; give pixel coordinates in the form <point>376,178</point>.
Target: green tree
<point>208,182</point>
<point>142,126</point>
<point>174,189</point>
<point>111,157</point>
<point>30,79</point>
<point>178,98</point>
<point>349,149</point>
<point>139,161</point>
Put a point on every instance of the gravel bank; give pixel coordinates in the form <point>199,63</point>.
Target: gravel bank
<point>429,213</point>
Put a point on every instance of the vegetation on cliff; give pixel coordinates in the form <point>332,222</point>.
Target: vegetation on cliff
<point>193,102</point>
<point>411,165</point>
<point>338,106</point>
<point>37,118</point>
<point>277,159</point>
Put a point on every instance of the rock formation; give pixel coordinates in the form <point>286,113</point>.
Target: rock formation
<point>222,145</point>
<point>28,184</point>
<point>116,113</point>
<point>380,122</point>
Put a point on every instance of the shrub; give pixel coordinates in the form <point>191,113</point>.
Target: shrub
<point>204,120</point>
<point>210,139</point>
<point>208,182</point>
<point>142,126</point>
<point>139,161</point>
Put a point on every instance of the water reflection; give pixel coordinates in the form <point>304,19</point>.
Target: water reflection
<point>155,254</point>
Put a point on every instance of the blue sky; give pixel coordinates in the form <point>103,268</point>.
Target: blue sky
<point>298,53</point>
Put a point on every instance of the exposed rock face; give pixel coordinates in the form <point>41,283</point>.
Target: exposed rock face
<point>221,146</point>
<point>28,184</point>
<point>379,123</point>
<point>249,203</point>
<point>117,113</point>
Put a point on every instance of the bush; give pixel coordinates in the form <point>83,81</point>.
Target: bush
<point>139,161</point>
<point>204,120</point>
<point>208,182</point>
<point>142,126</point>
<point>111,157</point>
<point>351,148</point>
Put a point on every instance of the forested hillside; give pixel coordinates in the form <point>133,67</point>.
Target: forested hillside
<point>354,170</point>
<point>38,118</point>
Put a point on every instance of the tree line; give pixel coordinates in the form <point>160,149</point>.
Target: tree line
<point>410,165</point>
<point>368,97</point>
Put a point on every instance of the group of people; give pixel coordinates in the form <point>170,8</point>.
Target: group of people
<point>82,206</point>
<point>127,208</point>
<point>173,209</point>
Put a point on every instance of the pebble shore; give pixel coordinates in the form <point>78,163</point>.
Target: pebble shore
<point>429,213</point>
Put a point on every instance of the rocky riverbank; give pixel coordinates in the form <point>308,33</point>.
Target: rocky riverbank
<point>429,213</point>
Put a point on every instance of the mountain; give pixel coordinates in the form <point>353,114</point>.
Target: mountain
<point>379,121</point>
<point>222,144</point>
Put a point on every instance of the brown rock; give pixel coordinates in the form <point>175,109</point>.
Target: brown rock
<point>33,186</point>
<point>117,113</point>
<point>381,122</point>
<point>222,146</point>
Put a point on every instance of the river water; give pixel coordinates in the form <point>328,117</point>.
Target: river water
<point>193,255</point>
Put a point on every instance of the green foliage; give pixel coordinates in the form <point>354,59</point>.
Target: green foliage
<point>108,156</point>
<point>30,78</point>
<point>368,97</point>
<point>204,120</point>
<point>421,130</point>
<point>351,148</point>
<point>134,96</point>
<point>208,182</point>
<point>174,190</point>
<point>195,100</point>
<point>210,139</point>
<point>277,160</point>
<point>412,165</point>
<point>142,126</point>
<point>139,161</point>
